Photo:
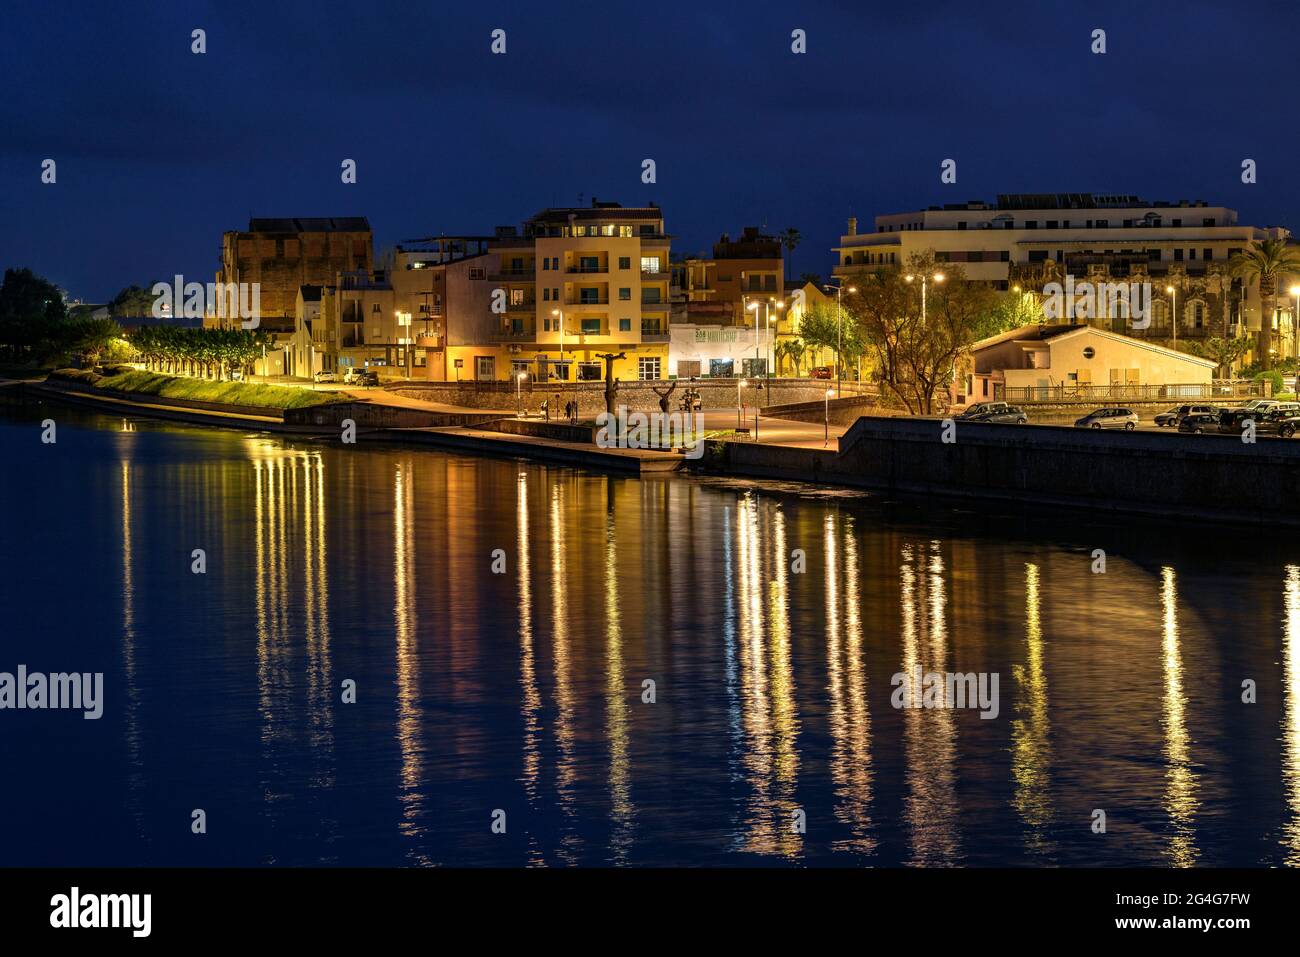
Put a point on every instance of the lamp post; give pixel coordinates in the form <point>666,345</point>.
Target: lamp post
<point>839,331</point>
<point>1173,311</point>
<point>740,384</point>
<point>404,321</point>
<point>519,401</point>
<point>826,422</point>
<point>771,350</point>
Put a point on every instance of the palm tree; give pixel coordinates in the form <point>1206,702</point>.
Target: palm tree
<point>1266,261</point>
<point>790,239</point>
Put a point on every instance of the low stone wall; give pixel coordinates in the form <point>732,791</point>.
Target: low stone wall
<point>539,428</point>
<point>842,411</point>
<point>636,395</point>
<point>368,415</point>
<point>1163,473</point>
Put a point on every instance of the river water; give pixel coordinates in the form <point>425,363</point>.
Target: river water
<point>674,671</point>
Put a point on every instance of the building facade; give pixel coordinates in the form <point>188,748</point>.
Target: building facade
<point>1030,240</point>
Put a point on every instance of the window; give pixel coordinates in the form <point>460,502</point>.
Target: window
<point>588,294</point>
<point>651,296</point>
<point>476,272</point>
<point>1178,255</point>
<point>722,368</point>
<point>625,325</point>
<point>624,262</point>
<point>648,367</point>
<point>588,264</point>
<point>516,297</point>
<point>589,371</point>
<point>1037,255</point>
<point>1191,254</point>
<point>375,307</point>
<point>1031,224</point>
<point>591,327</point>
<point>1198,314</point>
<point>625,231</point>
<point>650,264</point>
<point>1051,224</point>
<point>546,295</point>
<point>625,294</point>
<point>1207,254</point>
<point>1004,256</point>
<point>961,224</point>
<point>1089,352</point>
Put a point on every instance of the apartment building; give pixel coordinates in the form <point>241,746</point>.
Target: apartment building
<point>1023,241</point>
<point>575,283</point>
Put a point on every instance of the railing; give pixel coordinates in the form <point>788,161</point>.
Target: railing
<point>1219,389</point>
<point>589,301</point>
<point>528,305</point>
<point>587,270</point>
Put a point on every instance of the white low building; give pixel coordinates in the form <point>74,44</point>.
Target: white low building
<point>718,351</point>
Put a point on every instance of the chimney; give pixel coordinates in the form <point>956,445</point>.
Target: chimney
<point>853,225</point>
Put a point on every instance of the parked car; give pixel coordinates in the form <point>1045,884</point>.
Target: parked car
<point>1280,422</point>
<point>1109,419</point>
<point>821,372</point>
<point>357,375</point>
<point>1006,415</point>
<point>1174,417</point>
<point>1199,423</point>
<point>326,376</point>
<point>982,408</point>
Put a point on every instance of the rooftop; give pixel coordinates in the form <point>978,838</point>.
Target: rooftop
<point>340,224</point>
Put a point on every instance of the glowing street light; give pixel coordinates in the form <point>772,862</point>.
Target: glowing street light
<point>740,384</point>
<point>519,382</point>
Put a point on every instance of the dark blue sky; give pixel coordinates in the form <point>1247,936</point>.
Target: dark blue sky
<point>160,150</point>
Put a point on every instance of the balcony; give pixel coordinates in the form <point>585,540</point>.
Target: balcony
<point>528,305</point>
<point>587,270</point>
<point>587,301</point>
<point>510,273</point>
<point>514,335</point>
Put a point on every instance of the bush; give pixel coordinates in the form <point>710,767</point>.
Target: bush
<point>1273,376</point>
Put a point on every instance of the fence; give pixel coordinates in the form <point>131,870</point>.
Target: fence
<point>1218,389</point>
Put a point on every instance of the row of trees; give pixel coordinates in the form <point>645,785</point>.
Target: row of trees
<point>209,353</point>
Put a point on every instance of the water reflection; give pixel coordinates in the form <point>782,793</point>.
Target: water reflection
<point>1291,714</point>
<point>850,716</point>
<point>521,690</point>
<point>1180,779</point>
<point>1031,752</point>
<point>930,807</point>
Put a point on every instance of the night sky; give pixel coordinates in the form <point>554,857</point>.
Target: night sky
<point>160,150</point>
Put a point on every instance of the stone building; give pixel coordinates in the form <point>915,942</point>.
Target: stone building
<point>283,255</point>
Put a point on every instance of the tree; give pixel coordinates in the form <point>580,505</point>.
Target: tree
<point>133,301</point>
<point>31,314</point>
<point>91,337</point>
<point>824,327</point>
<point>1226,352</point>
<point>790,239</point>
<point>914,358</point>
<point>1266,261</point>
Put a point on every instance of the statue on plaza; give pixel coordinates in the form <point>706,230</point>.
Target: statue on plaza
<point>663,396</point>
<point>611,384</point>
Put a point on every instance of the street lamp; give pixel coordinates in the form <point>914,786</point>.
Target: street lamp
<point>519,382</point>
<point>1173,311</point>
<point>839,330</point>
<point>740,384</point>
<point>404,320</point>
<point>826,424</point>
